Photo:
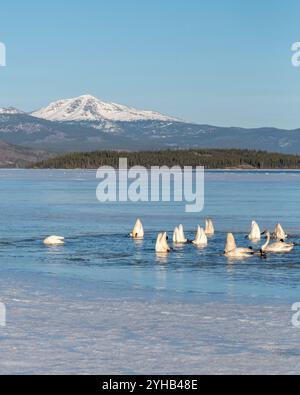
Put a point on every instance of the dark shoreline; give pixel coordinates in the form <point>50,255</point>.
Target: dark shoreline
<point>211,159</point>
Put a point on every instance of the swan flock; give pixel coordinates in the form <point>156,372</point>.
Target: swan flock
<point>202,236</point>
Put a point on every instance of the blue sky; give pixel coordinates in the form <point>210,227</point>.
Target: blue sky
<point>221,62</point>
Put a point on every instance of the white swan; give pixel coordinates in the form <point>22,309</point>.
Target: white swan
<point>201,238</point>
<point>279,233</point>
<point>278,246</point>
<point>232,251</point>
<point>54,241</point>
<point>138,230</point>
<point>178,235</point>
<point>162,246</point>
<point>255,234</point>
<point>209,228</point>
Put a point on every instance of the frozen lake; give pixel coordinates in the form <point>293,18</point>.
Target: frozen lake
<point>106,304</point>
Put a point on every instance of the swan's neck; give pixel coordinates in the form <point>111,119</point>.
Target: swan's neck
<point>267,243</point>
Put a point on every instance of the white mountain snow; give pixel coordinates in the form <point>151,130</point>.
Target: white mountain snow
<point>10,111</point>
<point>89,108</point>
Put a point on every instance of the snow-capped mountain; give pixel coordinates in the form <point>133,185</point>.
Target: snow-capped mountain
<point>10,111</point>
<point>89,108</point>
<point>87,124</point>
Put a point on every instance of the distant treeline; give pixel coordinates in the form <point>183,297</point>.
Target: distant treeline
<point>210,158</point>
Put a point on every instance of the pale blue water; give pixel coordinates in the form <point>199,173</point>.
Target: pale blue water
<point>98,251</point>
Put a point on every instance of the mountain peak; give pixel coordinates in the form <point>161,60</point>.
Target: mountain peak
<point>88,97</point>
<point>89,108</point>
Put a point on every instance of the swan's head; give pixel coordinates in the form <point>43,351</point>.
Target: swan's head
<point>266,233</point>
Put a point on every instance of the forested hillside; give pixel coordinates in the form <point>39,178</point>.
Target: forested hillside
<point>210,158</point>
